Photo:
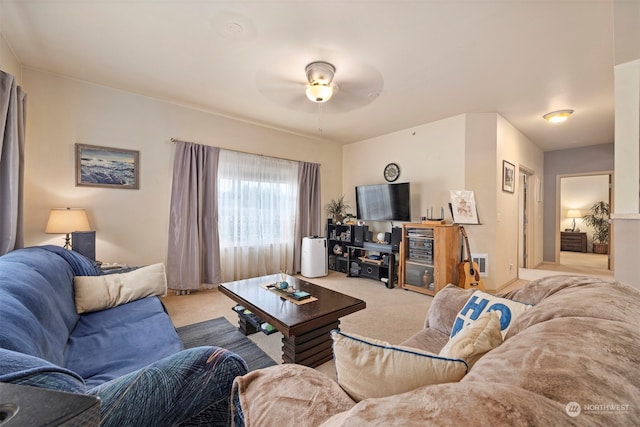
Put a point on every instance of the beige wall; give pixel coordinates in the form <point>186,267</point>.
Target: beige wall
<point>459,153</point>
<point>490,140</point>
<point>428,156</point>
<point>481,165</point>
<point>516,148</point>
<point>131,225</point>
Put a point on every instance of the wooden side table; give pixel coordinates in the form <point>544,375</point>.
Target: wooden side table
<point>573,241</point>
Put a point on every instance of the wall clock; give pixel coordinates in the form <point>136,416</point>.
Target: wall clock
<point>391,172</point>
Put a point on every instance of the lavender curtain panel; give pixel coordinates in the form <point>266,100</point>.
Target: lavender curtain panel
<point>194,254</point>
<point>308,213</point>
<point>13,103</point>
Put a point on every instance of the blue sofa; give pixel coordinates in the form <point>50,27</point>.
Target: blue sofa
<point>130,356</point>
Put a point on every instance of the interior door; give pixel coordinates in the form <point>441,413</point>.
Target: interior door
<point>524,226</point>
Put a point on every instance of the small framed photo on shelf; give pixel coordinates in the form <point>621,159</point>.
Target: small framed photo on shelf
<point>107,167</point>
<point>463,207</point>
<point>508,177</point>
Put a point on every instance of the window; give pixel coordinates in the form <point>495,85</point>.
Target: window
<point>256,210</point>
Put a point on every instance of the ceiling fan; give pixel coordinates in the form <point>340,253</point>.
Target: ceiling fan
<point>337,88</point>
<point>320,77</point>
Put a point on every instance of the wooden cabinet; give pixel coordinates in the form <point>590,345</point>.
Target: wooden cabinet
<point>573,241</point>
<point>429,257</point>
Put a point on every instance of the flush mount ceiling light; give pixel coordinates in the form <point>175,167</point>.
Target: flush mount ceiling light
<point>557,116</point>
<point>320,75</point>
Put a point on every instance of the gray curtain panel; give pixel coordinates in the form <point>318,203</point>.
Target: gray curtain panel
<point>308,213</point>
<point>194,254</point>
<point>13,104</point>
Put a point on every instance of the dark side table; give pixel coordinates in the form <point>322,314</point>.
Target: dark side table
<point>573,241</point>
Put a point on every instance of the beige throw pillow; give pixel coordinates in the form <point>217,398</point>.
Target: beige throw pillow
<point>95,293</point>
<point>370,368</point>
<point>476,339</point>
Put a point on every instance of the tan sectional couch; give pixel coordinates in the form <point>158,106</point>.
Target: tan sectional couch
<point>571,359</point>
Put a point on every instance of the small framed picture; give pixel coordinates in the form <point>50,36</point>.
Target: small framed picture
<point>463,207</point>
<point>508,177</point>
<point>107,167</point>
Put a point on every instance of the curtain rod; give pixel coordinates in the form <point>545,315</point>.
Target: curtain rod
<point>174,140</point>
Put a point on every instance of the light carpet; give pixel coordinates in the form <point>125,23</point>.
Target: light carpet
<point>392,315</point>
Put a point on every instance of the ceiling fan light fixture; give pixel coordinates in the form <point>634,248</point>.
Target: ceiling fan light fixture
<point>320,75</point>
<point>319,92</point>
<point>557,116</point>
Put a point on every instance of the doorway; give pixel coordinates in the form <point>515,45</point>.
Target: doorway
<point>525,240</point>
<point>576,195</point>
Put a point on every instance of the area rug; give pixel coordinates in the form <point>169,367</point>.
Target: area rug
<point>219,332</point>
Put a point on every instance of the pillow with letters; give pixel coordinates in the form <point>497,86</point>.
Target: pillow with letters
<point>481,302</point>
<point>371,368</point>
<point>95,293</point>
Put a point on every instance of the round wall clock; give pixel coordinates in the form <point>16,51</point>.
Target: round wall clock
<point>391,172</point>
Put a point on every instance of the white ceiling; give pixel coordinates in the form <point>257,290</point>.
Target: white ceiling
<point>433,59</point>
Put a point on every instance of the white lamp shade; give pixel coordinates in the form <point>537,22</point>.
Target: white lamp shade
<point>67,220</point>
<point>574,213</point>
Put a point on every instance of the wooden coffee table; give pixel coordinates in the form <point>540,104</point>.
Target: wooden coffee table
<point>305,328</point>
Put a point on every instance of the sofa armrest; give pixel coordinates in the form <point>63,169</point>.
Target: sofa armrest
<point>429,339</point>
<point>445,306</point>
<point>276,395</point>
<point>23,369</point>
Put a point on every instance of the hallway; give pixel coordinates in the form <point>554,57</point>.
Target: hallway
<point>579,263</point>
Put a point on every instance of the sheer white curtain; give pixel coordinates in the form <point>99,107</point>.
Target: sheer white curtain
<point>256,214</point>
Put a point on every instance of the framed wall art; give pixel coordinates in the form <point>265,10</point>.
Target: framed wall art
<point>107,167</point>
<point>508,177</point>
<point>463,207</point>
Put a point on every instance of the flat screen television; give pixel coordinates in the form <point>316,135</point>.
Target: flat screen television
<point>383,202</point>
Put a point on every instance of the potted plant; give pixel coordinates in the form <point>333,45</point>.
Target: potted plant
<point>598,219</point>
<point>337,209</point>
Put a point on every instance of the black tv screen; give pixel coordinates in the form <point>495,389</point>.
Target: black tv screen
<point>383,202</point>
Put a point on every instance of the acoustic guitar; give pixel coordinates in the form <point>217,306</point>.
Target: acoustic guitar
<point>468,271</point>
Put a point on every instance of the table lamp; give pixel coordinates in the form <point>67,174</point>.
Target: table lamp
<point>574,213</point>
<point>66,221</point>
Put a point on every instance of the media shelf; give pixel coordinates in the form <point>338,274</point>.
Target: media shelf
<point>339,236</point>
<point>429,256</point>
<point>350,252</point>
<point>374,261</point>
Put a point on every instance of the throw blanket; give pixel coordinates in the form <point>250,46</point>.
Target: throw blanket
<point>82,266</point>
<point>38,312</point>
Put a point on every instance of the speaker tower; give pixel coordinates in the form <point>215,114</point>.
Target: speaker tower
<point>396,238</point>
<point>360,234</point>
